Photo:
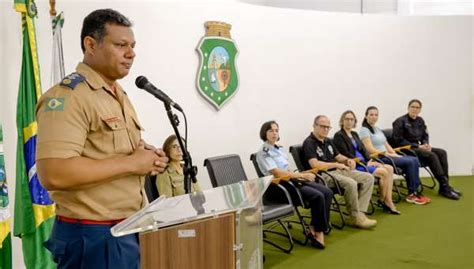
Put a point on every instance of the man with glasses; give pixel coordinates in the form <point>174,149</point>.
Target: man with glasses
<point>410,129</point>
<point>320,153</point>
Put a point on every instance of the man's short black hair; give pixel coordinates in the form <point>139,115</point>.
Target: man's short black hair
<point>94,24</point>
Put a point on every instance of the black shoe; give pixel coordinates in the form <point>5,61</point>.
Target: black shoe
<point>314,242</point>
<point>385,207</point>
<point>449,194</point>
<point>459,193</point>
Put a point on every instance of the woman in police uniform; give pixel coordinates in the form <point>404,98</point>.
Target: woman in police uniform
<point>171,181</point>
<point>272,160</point>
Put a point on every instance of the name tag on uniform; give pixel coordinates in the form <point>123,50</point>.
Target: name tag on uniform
<point>113,119</point>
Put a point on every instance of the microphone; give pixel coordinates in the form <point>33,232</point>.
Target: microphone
<point>143,83</point>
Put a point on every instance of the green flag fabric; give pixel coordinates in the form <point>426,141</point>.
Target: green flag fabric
<point>5,236</point>
<point>34,210</point>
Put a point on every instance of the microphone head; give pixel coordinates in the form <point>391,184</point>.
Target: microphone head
<point>141,81</point>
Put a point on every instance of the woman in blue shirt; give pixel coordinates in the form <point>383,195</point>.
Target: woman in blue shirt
<point>273,161</point>
<point>375,142</point>
<point>349,145</point>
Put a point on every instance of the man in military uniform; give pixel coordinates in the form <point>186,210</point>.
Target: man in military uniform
<point>320,152</point>
<point>410,129</point>
<point>89,152</point>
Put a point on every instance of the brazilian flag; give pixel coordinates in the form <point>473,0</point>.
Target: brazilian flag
<point>5,236</point>
<point>34,210</point>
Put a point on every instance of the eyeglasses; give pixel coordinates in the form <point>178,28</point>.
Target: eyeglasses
<point>415,107</point>
<point>349,119</point>
<point>175,147</point>
<point>324,127</point>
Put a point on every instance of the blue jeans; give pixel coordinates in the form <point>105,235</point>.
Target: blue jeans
<point>411,168</point>
<point>75,245</point>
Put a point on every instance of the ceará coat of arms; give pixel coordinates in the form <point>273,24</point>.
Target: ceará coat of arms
<point>217,78</point>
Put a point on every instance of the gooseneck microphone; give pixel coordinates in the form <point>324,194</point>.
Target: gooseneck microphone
<point>143,83</point>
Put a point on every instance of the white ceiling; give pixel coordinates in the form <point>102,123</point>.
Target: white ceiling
<point>399,7</point>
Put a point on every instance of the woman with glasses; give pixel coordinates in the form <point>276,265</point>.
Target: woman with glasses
<point>171,181</point>
<point>375,142</point>
<point>348,143</point>
<point>272,160</point>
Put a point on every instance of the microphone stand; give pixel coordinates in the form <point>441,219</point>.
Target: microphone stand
<point>189,170</point>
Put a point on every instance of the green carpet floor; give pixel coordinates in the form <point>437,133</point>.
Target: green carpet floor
<point>437,235</point>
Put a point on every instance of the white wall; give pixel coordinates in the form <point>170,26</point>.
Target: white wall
<point>292,65</point>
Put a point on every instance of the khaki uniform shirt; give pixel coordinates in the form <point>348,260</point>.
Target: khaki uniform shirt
<point>84,118</point>
<point>171,183</point>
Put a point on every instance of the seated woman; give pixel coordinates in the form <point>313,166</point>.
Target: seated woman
<point>273,161</point>
<point>348,143</point>
<point>375,142</point>
<point>171,181</point>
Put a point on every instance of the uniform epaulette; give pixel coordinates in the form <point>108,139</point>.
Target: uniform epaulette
<point>72,80</point>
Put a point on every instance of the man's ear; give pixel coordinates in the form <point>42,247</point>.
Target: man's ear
<point>89,44</point>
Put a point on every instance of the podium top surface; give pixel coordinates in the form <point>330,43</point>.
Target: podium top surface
<point>168,211</point>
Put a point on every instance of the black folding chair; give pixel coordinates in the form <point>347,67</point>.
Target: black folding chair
<point>298,156</point>
<point>150,188</point>
<point>389,135</point>
<point>296,198</point>
<point>277,205</point>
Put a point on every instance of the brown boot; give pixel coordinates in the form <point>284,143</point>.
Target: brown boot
<point>361,221</point>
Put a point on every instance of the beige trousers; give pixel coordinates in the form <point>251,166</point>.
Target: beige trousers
<point>358,187</point>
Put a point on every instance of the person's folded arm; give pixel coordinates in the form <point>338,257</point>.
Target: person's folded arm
<point>79,172</point>
<point>321,165</point>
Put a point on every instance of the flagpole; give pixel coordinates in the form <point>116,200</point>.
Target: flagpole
<point>57,63</point>
<point>52,8</point>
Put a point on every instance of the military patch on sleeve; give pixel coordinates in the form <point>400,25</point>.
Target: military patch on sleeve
<point>54,104</point>
<point>72,80</point>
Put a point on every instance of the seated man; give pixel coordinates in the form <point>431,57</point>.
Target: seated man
<point>410,129</point>
<point>320,152</point>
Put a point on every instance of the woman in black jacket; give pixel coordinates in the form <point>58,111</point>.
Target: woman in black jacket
<point>348,143</point>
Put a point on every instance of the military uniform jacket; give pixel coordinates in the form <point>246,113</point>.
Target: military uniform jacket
<point>171,182</point>
<point>82,116</point>
<point>270,157</point>
<point>408,131</point>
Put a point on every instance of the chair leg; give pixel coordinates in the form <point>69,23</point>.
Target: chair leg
<point>433,181</point>
<point>371,209</point>
<point>397,191</point>
<point>287,235</point>
<point>304,226</point>
<point>335,207</point>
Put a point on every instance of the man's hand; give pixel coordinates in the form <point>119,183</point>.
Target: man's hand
<point>342,166</point>
<point>158,151</point>
<point>149,160</point>
<point>351,163</point>
<point>426,147</point>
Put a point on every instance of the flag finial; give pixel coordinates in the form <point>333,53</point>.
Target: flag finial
<point>52,7</point>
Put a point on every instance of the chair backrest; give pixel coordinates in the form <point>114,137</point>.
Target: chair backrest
<point>150,188</point>
<point>225,170</point>
<point>253,158</point>
<point>389,135</point>
<point>299,158</point>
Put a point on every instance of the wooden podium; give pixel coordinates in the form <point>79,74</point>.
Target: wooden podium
<point>206,244</point>
<point>219,228</point>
